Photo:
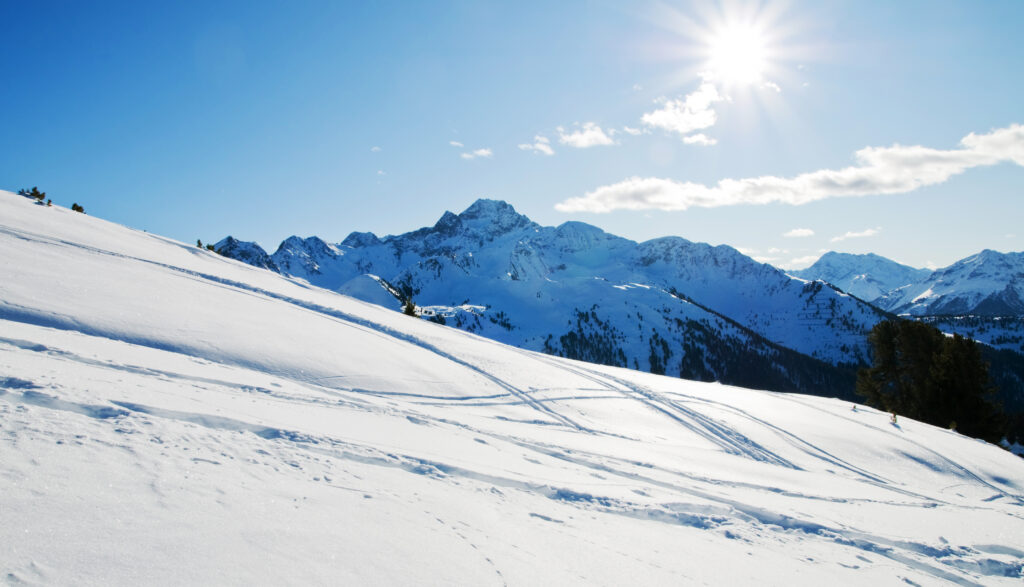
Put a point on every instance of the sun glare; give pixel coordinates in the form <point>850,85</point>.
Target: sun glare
<point>737,55</point>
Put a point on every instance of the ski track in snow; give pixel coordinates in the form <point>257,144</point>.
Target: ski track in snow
<point>702,517</point>
<point>192,416</point>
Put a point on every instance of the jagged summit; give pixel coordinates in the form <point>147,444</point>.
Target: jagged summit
<point>294,241</point>
<point>247,252</point>
<point>492,217</point>
<point>868,276</point>
<point>992,261</point>
<point>989,283</point>
<point>361,239</point>
<point>487,207</point>
<point>308,254</point>
<point>448,224</point>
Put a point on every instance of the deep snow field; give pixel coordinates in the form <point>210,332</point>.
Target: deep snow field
<point>169,416</point>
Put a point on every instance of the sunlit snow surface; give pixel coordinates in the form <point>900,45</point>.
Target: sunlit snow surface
<point>171,416</point>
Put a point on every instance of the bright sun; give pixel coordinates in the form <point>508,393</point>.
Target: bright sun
<point>738,55</point>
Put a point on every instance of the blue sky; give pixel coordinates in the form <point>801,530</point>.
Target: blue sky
<point>730,123</point>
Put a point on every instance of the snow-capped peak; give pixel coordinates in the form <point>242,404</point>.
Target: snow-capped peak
<point>247,252</point>
<point>492,217</point>
<point>868,276</point>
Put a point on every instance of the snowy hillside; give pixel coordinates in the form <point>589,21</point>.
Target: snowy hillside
<point>171,416</point>
<point>987,284</point>
<point>867,276</point>
<point>665,306</point>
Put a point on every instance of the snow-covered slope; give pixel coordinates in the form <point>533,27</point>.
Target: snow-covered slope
<point>665,306</point>
<point>987,284</point>
<point>867,276</point>
<point>168,415</point>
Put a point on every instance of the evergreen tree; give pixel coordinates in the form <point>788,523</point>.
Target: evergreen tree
<point>920,373</point>
<point>33,193</point>
<point>409,308</point>
<point>77,208</point>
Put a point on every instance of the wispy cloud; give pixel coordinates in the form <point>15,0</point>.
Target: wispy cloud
<point>860,234</point>
<point>591,135</point>
<point>700,139</point>
<point>880,170</point>
<point>375,149</point>
<point>801,262</point>
<point>684,116</point>
<point>540,144</point>
<point>799,232</point>
<point>456,144</point>
<point>631,131</point>
<point>477,153</point>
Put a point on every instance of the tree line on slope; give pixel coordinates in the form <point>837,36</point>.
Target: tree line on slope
<point>39,196</point>
<point>921,373</point>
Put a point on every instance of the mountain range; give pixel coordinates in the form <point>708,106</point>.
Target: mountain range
<point>989,284</point>
<point>980,297</point>
<point>666,305</point>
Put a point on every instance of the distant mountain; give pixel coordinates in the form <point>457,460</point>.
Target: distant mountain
<point>247,252</point>
<point>868,277</point>
<point>667,305</point>
<point>987,284</point>
<point>979,297</point>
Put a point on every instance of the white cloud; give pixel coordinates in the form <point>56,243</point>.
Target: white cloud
<point>456,144</point>
<point>637,87</point>
<point>768,260</point>
<point>477,153</point>
<point>694,112</point>
<point>700,139</point>
<point>799,232</point>
<point>590,135</point>
<point>631,131</point>
<point>881,170</point>
<point>771,86</point>
<point>375,149</point>
<point>801,262</point>
<point>852,234</point>
<point>540,144</point>
<point>381,172</point>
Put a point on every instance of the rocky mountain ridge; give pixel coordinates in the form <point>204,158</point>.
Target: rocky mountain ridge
<point>667,305</point>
